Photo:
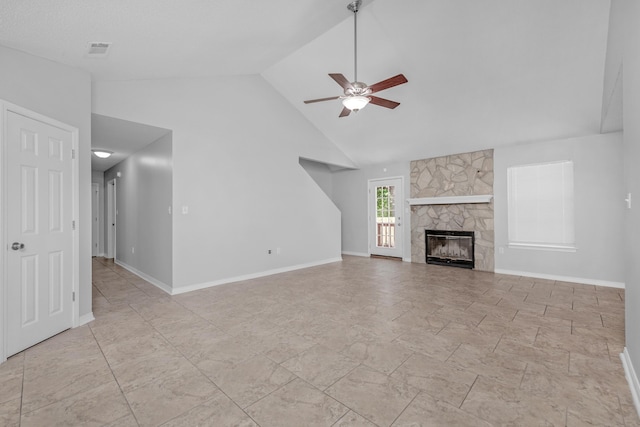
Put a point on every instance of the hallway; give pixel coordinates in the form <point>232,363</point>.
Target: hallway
<point>364,342</point>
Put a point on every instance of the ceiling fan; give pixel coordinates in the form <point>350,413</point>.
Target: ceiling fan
<point>357,94</point>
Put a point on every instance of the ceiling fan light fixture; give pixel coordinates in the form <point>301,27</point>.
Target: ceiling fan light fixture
<point>103,154</point>
<point>356,102</point>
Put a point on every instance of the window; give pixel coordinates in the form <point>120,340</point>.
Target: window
<point>385,216</point>
<point>541,205</point>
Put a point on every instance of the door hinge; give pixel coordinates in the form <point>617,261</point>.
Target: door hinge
<point>73,296</point>
<point>73,153</point>
<point>73,224</point>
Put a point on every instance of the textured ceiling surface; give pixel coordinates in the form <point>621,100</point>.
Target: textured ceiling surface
<point>166,38</point>
<point>481,73</point>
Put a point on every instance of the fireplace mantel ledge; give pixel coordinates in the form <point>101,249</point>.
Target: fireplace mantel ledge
<point>450,200</point>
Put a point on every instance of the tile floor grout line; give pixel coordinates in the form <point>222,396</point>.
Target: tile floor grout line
<point>351,370</point>
<point>569,364</point>
<point>456,349</point>
<point>403,362</point>
<point>536,337</point>
<point>258,400</point>
<point>66,397</point>
<point>405,408</point>
<point>483,317</point>
<point>98,289</point>
<point>24,362</point>
<point>188,361</point>
<point>204,375</point>
<point>114,377</point>
<point>497,344</point>
<point>345,405</point>
<point>524,372</point>
<point>468,391</point>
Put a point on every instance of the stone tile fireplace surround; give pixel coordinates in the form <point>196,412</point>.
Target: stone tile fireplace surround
<point>467,174</point>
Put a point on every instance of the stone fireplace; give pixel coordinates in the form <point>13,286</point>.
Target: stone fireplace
<point>445,195</point>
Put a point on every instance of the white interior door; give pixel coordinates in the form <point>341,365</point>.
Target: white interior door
<point>39,231</point>
<point>111,219</point>
<point>385,217</point>
<point>95,215</point>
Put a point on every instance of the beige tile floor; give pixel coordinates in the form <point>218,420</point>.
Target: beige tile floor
<point>365,342</point>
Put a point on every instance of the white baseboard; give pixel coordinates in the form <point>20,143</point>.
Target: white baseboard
<point>361,254</point>
<point>85,318</point>
<point>562,278</point>
<point>198,286</point>
<point>632,378</point>
<point>155,282</point>
<point>406,259</point>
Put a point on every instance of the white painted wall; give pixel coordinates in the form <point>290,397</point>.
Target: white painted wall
<point>97,177</point>
<point>350,194</point>
<point>320,173</point>
<point>632,181</point>
<point>598,189</point>
<point>62,93</point>
<point>143,199</point>
<point>598,185</point>
<point>236,145</point>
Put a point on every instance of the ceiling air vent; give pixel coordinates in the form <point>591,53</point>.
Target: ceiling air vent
<point>98,49</point>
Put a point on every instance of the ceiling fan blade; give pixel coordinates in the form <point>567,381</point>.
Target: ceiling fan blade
<point>341,80</point>
<point>383,102</point>
<point>311,101</point>
<point>345,112</point>
<point>390,82</point>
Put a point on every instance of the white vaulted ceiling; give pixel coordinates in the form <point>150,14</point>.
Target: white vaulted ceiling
<point>482,73</point>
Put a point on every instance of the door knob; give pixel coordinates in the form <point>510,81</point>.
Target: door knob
<point>17,246</point>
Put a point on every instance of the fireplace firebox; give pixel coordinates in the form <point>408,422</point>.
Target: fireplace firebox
<point>447,247</point>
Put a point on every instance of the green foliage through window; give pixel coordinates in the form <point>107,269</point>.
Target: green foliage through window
<point>385,202</point>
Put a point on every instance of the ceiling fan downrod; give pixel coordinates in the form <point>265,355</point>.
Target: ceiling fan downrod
<point>354,7</point>
<point>357,94</point>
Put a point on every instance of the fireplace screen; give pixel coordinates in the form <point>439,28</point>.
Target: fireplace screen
<point>450,248</point>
